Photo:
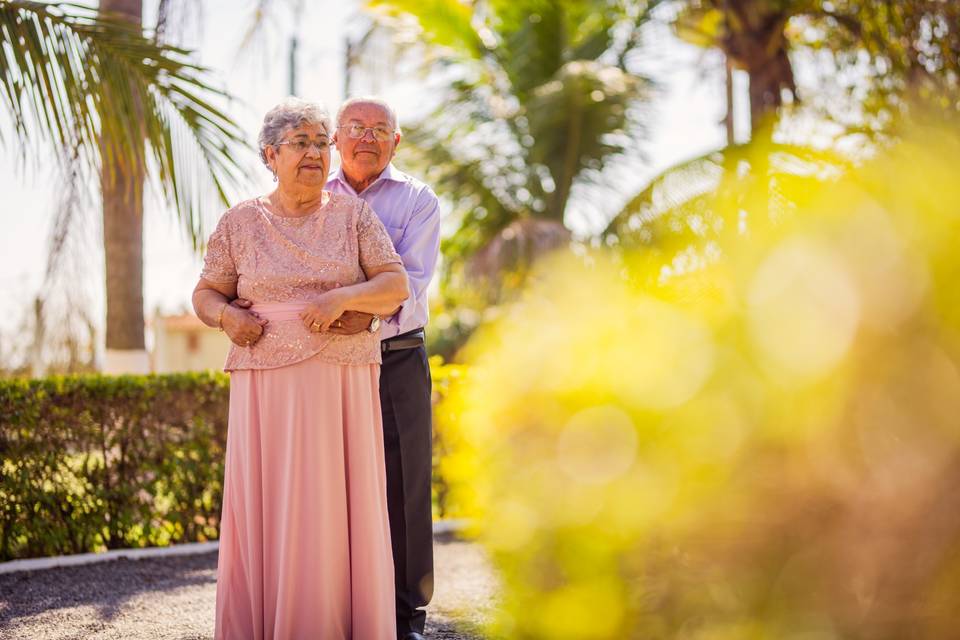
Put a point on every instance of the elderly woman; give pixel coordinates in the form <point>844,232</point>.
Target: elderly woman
<point>304,541</point>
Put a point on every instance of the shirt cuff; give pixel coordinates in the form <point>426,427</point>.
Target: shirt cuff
<point>394,325</point>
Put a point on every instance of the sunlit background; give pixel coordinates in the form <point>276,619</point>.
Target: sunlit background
<point>247,45</point>
<point>696,330</point>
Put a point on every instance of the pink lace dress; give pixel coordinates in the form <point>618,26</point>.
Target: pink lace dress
<point>304,539</point>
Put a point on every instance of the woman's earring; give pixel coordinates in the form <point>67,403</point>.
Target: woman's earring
<point>274,176</point>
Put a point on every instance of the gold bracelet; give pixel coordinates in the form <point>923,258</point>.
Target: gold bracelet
<point>220,315</point>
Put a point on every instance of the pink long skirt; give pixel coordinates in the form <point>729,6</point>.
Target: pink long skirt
<point>304,539</point>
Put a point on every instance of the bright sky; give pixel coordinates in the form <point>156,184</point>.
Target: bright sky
<point>685,124</point>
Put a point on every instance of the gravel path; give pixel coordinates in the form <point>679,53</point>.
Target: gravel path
<point>174,598</point>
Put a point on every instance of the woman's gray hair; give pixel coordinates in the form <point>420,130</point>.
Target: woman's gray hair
<point>290,113</point>
<point>380,102</point>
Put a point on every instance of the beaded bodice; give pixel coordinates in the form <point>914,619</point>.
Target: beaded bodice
<point>278,259</point>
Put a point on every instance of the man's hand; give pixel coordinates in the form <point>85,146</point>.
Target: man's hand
<point>351,322</point>
<point>242,327</point>
<point>243,303</point>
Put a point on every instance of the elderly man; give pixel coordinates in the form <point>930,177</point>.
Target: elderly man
<point>367,134</point>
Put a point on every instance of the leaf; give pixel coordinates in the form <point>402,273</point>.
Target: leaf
<point>733,174</point>
<point>700,26</point>
<point>445,23</point>
<point>74,79</point>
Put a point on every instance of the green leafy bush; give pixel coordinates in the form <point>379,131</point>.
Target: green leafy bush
<point>760,444</point>
<point>101,462</point>
<point>89,463</point>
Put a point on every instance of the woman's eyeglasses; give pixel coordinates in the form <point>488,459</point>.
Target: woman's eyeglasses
<point>357,131</point>
<point>301,146</point>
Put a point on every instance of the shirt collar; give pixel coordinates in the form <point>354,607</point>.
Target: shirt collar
<point>389,173</point>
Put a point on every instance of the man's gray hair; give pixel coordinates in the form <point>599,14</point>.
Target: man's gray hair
<point>380,102</point>
<point>290,113</point>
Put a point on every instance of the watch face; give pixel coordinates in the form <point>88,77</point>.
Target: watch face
<point>374,323</point>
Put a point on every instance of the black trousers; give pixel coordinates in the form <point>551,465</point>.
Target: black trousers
<point>405,389</point>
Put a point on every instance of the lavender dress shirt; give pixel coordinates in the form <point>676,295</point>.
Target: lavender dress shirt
<point>410,211</point>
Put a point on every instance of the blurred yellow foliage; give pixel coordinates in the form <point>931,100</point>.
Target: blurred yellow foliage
<point>767,447</point>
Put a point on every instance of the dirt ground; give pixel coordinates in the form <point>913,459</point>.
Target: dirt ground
<point>174,598</point>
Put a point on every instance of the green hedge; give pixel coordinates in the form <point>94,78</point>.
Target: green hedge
<point>90,462</point>
<point>101,462</point>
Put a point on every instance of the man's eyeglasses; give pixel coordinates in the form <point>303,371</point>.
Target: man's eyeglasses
<point>357,131</point>
<point>301,146</point>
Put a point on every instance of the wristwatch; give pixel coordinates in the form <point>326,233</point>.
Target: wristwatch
<point>374,324</point>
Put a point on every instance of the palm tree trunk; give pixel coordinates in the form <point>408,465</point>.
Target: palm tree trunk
<point>571,159</point>
<point>122,189</point>
<point>756,41</point>
<point>729,123</point>
<point>768,78</point>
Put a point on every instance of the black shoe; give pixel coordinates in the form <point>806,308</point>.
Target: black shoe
<point>413,635</point>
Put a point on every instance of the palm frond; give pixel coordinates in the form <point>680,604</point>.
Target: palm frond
<point>444,23</point>
<point>668,190</point>
<point>77,79</point>
<point>261,15</point>
<point>557,118</point>
<point>532,101</point>
<point>483,206</point>
<point>579,120</point>
<point>677,201</point>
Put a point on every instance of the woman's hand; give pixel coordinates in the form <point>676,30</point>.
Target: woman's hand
<point>325,310</point>
<point>242,327</point>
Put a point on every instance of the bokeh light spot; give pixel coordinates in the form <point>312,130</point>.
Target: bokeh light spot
<point>803,310</point>
<point>597,445</point>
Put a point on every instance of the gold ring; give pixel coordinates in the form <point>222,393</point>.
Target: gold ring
<point>316,326</point>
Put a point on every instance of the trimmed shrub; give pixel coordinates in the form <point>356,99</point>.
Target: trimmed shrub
<point>91,462</point>
<point>96,462</point>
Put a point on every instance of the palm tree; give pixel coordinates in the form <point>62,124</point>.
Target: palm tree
<point>912,39</point>
<point>535,101</point>
<point>913,43</point>
<point>92,85</point>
